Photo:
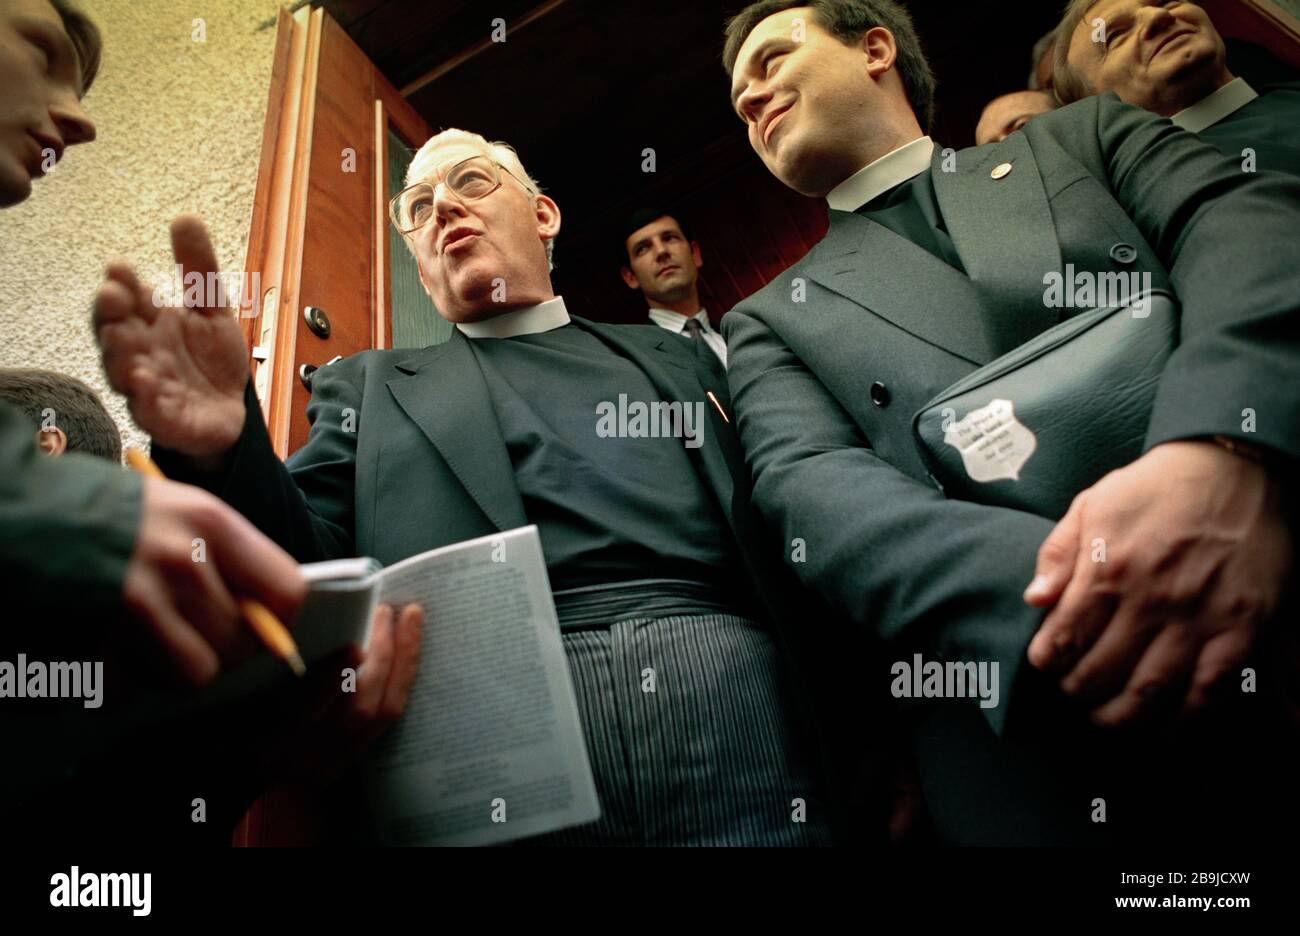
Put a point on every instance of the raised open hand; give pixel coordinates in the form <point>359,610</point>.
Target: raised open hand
<point>183,369</point>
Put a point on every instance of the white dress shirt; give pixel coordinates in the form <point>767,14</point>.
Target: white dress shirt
<point>1212,108</point>
<point>675,322</point>
<point>876,178</point>
<point>527,320</point>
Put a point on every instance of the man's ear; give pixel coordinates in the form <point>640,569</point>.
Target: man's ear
<point>629,277</point>
<point>548,216</point>
<point>695,252</point>
<point>52,441</point>
<point>881,49</point>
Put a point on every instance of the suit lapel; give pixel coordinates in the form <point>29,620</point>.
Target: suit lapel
<point>988,310</point>
<point>903,283</point>
<point>676,379</point>
<point>446,396</point>
<point>1003,232</point>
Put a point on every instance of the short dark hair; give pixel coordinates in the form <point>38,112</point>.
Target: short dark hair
<point>77,410</point>
<point>847,20</point>
<point>639,218</point>
<point>86,39</point>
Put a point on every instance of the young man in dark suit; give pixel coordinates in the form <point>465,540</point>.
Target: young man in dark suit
<point>935,264</point>
<point>675,622</point>
<point>662,261</point>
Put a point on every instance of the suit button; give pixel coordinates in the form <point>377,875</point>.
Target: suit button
<point>1123,253</point>
<point>879,394</point>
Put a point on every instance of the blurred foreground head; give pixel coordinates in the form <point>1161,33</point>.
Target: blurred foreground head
<point>49,55</point>
<point>66,414</point>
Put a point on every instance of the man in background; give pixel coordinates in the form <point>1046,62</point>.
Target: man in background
<point>1170,60</point>
<point>1005,115</point>
<point>65,412</point>
<point>664,263</point>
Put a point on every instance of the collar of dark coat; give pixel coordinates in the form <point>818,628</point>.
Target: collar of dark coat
<point>1001,228</point>
<point>445,394</point>
<point>634,341</point>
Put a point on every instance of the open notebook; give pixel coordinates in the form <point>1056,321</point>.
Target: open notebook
<point>490,747</point>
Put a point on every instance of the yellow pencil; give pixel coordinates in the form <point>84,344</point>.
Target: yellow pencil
<point>264,623</point>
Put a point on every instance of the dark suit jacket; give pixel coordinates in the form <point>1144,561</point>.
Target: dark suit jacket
<point>67,529</point>
<point>1269,125</point>
<point>1101,185</point>
<point>405,455</point>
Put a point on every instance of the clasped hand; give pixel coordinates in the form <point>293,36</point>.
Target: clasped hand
<point>1159,579</point>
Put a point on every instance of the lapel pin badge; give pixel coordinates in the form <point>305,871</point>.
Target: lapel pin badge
<point>1001,171</point>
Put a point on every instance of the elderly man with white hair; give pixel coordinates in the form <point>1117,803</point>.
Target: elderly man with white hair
<point>1170,59</point>
<point>657,576</point>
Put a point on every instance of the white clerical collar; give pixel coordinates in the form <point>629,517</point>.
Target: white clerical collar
<point>906,162</point>
<point>530,320</point>
<point>1212,108</point>
<point>675,321</point>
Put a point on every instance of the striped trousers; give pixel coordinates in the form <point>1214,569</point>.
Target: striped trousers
<point>690,731</point>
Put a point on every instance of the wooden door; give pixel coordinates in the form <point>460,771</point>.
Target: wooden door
<point>336,142</point>
<point>1261,22</point>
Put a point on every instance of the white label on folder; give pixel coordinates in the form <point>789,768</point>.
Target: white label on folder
<point>994,445</point>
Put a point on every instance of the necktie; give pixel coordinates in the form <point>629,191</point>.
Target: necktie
<point>911,211</point>
<point>694,330</point>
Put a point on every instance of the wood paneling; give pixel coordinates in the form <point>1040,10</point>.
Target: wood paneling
<point>1260,22</point>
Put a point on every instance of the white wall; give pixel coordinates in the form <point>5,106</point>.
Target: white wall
<point>179,129</point>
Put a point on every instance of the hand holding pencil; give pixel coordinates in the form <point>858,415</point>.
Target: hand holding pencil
<point>200,575</point>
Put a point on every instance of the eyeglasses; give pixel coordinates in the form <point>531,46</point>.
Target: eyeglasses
<point>469,180</point>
